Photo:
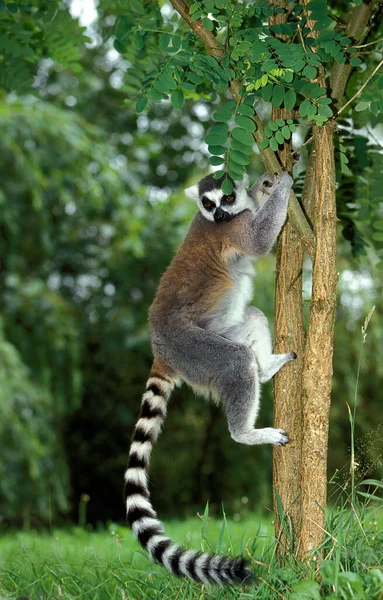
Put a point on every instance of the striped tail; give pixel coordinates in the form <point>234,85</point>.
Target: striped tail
<point>201,567</point>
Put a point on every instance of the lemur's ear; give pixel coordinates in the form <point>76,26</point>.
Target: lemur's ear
<point>192,192</point>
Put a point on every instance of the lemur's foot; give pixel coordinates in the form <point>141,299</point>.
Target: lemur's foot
<point>268,435</point>
<point>282,438</point>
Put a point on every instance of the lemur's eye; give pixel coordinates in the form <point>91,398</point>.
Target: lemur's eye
<point>208,204</point>
<point>267,183</point>
<point>230,198</point>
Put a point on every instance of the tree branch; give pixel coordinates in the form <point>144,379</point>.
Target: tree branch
<point>357,20</point>
<point>269,158</point>
<point>361,89</point>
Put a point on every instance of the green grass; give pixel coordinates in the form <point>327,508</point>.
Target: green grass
<point>108,564</point>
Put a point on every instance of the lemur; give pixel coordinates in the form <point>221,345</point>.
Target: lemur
<point>204,333</point>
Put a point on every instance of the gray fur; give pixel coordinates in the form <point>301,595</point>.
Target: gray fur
<point>228,352</point>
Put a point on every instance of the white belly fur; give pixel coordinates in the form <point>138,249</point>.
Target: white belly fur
<point>231,311</point>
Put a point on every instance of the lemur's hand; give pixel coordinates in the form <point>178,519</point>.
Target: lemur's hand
<point>284,181</point>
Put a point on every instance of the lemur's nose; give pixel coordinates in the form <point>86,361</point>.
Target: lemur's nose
<point>219,215</point>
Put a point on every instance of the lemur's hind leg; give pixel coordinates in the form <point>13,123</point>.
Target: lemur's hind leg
<point>255,333</point>
<point>207,360</point>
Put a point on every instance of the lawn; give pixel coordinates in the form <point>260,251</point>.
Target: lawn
<point>108,564</point>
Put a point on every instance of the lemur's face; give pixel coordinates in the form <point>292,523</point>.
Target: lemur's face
<point>214,204</point>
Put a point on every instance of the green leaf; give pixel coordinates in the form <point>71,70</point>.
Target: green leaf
<point>138,40</point>
<point>208,24</point>
<point>227,186</point>
<point>239,157</point>
<point>216,160</point>
<point>286,132</point>
<point>177,99</point>
<point>243,136</point>
<point>236,176</point>
<point>310,72</point>
<point>267,92</point>
<point>374,107</point>
<point>274,144</point>
<point>316,90</point>
<point>168,81</point>
<point>249,100</point>
<point>197,15</point>
<point>272,125</point>
<point>328,571</point>
<point>194,78</point>
<point>239,147</point>
<point>141,104</point>
<point>263,144</point>
<point>186,85</point>
<point>176,43</point>
<point>305,108</point>
<point>244,109</point>
<point>164,41</point>
<point>222,115</point>
<point>290,99</point>
<point>278,95</point>
<point>237,168</point>
<point>136,6</point>
<point>377,237</point>
<point>325,111</point>
<point>217,135</point>
<point>218,174</point>
<point>355,61</point>
<point>156,96</point>
<point>374,482</point>
<point>362,106</point>
<point>305,590</point>
<point>217,150</point>
<point>245,122</point>
<point>288,76</point>
<point>279,137</point>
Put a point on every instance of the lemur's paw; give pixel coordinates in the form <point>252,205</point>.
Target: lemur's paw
<point>282,438</point>
<point>278,437</point>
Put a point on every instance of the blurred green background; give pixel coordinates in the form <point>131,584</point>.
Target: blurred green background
<point>91,212</point>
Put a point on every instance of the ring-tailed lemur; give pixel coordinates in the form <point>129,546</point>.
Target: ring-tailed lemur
<point>204,333</point>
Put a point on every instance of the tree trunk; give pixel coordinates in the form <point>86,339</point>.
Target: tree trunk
<point>317,371</point>
<point>289,335</point>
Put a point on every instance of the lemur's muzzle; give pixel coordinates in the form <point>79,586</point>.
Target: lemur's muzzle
<point>220,215</point>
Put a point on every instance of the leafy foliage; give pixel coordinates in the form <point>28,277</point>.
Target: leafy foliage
<point>278,62</point>
<point>32,31</point>
<point>280,65</point>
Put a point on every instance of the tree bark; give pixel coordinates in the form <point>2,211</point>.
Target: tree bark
<point>288,335</point>
<point>317,371</point>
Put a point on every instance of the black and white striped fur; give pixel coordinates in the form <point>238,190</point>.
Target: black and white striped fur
<point>141,516</point>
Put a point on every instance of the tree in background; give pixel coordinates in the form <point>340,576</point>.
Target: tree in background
<point>101,250</point>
